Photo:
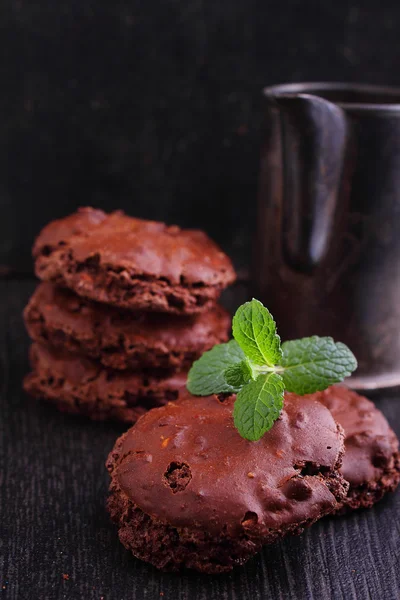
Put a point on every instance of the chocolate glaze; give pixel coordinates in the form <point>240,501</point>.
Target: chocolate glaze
<point>122,339</point>
<point>223,482</point>
<point>370,443</point>
<point>135,246</point>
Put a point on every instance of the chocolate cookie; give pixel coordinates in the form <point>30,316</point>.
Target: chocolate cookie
<point>371,463</point>
<point>81,386</point>
<point>122,339</point>
<point>188,491</point>
<point>132,263</point>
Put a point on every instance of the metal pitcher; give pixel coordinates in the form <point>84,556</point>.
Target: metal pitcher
<point>327,255</point>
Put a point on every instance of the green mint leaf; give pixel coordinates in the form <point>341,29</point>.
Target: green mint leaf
<point>314,363</point>
<point>254,330</point>
<point>258,405</point>
<point>238,375</point>
<point>207,375</point>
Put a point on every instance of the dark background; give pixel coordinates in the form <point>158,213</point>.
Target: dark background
<point>155,106</point>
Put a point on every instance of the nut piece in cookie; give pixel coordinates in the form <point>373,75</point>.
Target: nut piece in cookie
<point>122,339</point>
<point>79,385</point>
<point>132,263</point>
<point>371,463</point>
<point>188,491</point>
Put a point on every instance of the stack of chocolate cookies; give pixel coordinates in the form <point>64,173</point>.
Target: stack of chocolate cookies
<point>124,308</point>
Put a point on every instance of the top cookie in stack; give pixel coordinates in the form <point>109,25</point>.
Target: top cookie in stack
<point>126,301</point>
<point>131,263</point>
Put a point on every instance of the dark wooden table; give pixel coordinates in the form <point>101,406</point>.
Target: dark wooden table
<point>56,540</point>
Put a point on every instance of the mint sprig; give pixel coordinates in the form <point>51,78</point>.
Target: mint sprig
<point>238,374</point>
<point>258,369</point>
<point>258,405</point>
<point>314,363</point>
<point>207,375</point>
<point>254,330</point>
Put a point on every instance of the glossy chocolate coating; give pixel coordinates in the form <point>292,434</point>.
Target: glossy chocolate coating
<point>131,262</point>
<point>222,482</point>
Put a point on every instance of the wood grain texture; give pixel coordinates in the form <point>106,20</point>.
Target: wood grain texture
<point>53,521</point>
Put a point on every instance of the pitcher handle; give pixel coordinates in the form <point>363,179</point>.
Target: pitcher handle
<point>314,138</point>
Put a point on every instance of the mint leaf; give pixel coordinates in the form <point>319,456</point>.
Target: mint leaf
<point>254,330</point>
<point>314,363</point>
<point>238,374</point>
<point>207,373</point>
<point>258,405</point>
